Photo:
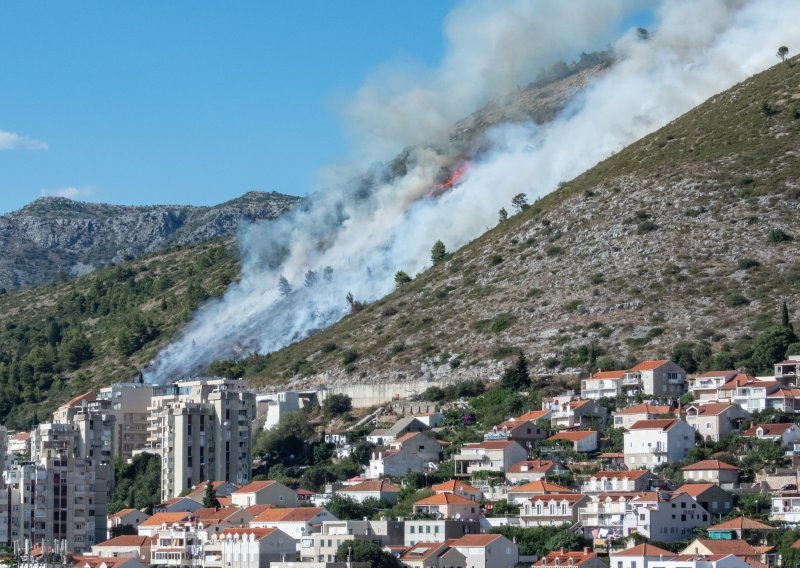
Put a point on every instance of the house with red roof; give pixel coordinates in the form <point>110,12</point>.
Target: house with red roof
<point>711,471</point>
<point>19,443</point>
<point>522,431</point>
<point>250,547</point>
<point>448,506</point>
<point>536,416</point>
<point>264,493</point>
<point>221,489</point>
<point>709,547</point>
<point>603,384</point>
<point>715,420</point>
<point>487,550</point>
<point>372,489</point>
<point>177,505</point>
<point>126,517</point>
<point>429,555</point>
<point>527,490</point>
<point>579,440</point>
<point>633,481</point>
<point>749,392</point>
<point>551,509</point>
<point>627,417</point>
<point>489,455</point>
<point>152,525</point>
<point>295,522</point>
<point>641,556</point>
<point>603,517</point>
<point>661,378</point>
<point>578,559</point>
<point>710,496</point>
<point>125,546</point>
<point>533,470</point>
<point>575,413</point>
<point>425,447</point>
<point>741,528</point>
<point>650,443</point>
<point>788,371</point>
<point>704,387</point>
<point>710,561</point>
<point>784,434</point>
<point>458,488</point>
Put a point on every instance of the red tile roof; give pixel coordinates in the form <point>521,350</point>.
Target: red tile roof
<point>126,540</point>
<point>569,497</point>
<point>285,515</point>
<point>87,396</point>
<point>257,533</point>
<point>566,559</point>
<point>474,540</point>
<point>695,489</point>
<point>539,486</point>
<point>735,547</point>
<point>159,518</point>
<point>608,375</point>
<point>451,486</point>
<point>712,374</point>
<point>633,474</point>
<point>768,429</point>
<point>573,435</point>
<point>711,409</point>
<point>741,380</point>
<point>662,424</point>
<point>423,550</point>
<point>491,444</point>
<point>377,485</point>
<point>645,408</point>
<point>645,550</point>
<point>650,365</point>
<point>710,465</point>
<point>445,499</point>
<point>740,523</point>
<point>531,466</point>
<point>534,415</point>
<point>254,486</point>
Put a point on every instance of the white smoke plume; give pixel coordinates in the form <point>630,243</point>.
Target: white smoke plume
<point>368,229</point>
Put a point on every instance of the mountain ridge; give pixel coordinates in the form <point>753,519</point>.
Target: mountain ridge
<point>54,237</point>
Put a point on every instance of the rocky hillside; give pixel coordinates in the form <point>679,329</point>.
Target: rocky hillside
<point>55,237</point>
<point>689,234</point>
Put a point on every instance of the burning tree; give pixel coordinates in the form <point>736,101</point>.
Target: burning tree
<point>355,305</point>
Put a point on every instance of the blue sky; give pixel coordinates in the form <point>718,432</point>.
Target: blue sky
<point>188,102</point>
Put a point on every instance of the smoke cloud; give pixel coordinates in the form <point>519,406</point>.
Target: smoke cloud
<point>354,236</point>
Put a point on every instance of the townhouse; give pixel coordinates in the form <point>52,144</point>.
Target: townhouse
<point>634,481</point>
<point>627,417</point>
<point>603,384</point>
<point>715,420</point>
<point>711,471</point>
<point>551,509</point>
<point>577,440</point>
<point>650,443</point>
<point>448,506</point>
<point>661,379</point>
<point>533,470</point>
<point>784,434</point>
<point>489,455</point>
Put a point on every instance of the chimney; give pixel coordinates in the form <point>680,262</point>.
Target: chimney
<point>561,551</point>
<point>586,550</point>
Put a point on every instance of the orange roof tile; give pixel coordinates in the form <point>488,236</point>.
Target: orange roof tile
<point>491,444</point>
<point>474,540</point>
<point>566,559</point>
<point>645,408</point>
<point>294,514</point>
<point>768,429</point>
<point>534,415</point>
<point>633,474</point>
<point>569,497</point>
<point>646,550</point>
<point>661,424</point>
<point>539,486</point>
<point>650,365</point>
<point>531,466</point>
<point>254,486</point>
<point>711,409</point>
<point>711,465</point>
<point>740,523</point>
<point>258,533</point>
<point>371,487</point>
<point>452,485</point>
<point>573,436</point>
<point>126,540</point>
<point>159,518</point>
<point>445,499</point>
<point>735,547</point>
<point>695,489</point>
<point>87,396</point>
<point>609,375</point>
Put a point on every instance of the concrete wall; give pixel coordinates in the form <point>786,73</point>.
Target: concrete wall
<point>364,395</point>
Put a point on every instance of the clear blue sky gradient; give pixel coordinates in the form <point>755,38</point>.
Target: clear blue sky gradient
<point>190,102</point>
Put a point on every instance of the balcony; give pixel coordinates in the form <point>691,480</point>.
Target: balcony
<point>676,381</point>
<point>631,382</point>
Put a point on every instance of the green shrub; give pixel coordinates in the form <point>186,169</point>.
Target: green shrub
<point>553,251</point>
<point>328,347</point>
<point>778,236</point>
<point>572,305</point>
<point>747,263</point>
<point>646,227</point>
<point>735,299</point>
<point>495,260</point>
<point>597,278</point>
<point>350,356</point>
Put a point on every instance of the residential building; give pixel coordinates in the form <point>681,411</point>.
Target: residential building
<point>126,517</point>
<point>710,496</point>
<point>669,519</point>
<point>740,528</point>
<point>578,440</point>
<point>748,392</point>
<point>704,387</point>
<point>650,443</point>
<point>395,463</point>
<point>321,546</point>
<point>529,490</point>
<point>627,417</point>
<point>487,551</point>
<point>551,509</point>
<point>274,406</point>
<point>663,379</point>
<point>711,471</point>
<point>538,416</point>
<point>178,505</point>
<point>786,507</point>
<point>430,419</point>
<point>584,559</point>
<point>151,526</point>
<point>458,488</point>
<point>201,428</point>
<point>19,443</point>
<point>522,431</point>
<point>641,556</point>
<point>125,546</point>
<point>715,420</point>
<point>603,384</point>
<point>295,522</point>
<point>248,548</point>
<point>784,434</point>
<point>490,455</point>
<point>222,490</point>
<point>420,444</point>
<point>264,493</point>
<point>448,506</point>
<point>438,530</point>
<point>429,555</point>
<point>575,413</point>
<point>710,547</point>
<point>788,371</point>
<point>129,404</point>
<point>533,470</point>
<point>603,518</point>
<point>634,481</point>
<point>378,489</point>
<point>385,436</point>
<point>707,561</point>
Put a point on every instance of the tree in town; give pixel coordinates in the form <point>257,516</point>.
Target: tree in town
<point>770,348</point>
<point>336,404</point>
<point>365,551</point>
<point>210,500</point>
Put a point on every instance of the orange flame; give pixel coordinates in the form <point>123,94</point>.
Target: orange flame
<point>451,181</point>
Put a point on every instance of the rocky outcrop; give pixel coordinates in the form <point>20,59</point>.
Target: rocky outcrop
<point>53,236</point>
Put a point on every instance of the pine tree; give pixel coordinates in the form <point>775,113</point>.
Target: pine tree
<point>210,500</point>
<point>785,316</point>
<point>503,214</point>
<point>438,253</point>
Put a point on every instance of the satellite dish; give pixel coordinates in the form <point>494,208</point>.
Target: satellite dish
<point>457,516</point>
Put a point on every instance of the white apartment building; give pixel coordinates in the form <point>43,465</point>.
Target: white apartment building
<point>649,443</point>
<point>661,378</point>
<point>603,384</point>
<point>201,428</point>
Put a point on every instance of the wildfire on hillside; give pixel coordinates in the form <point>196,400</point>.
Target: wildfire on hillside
<point>452,181</point>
